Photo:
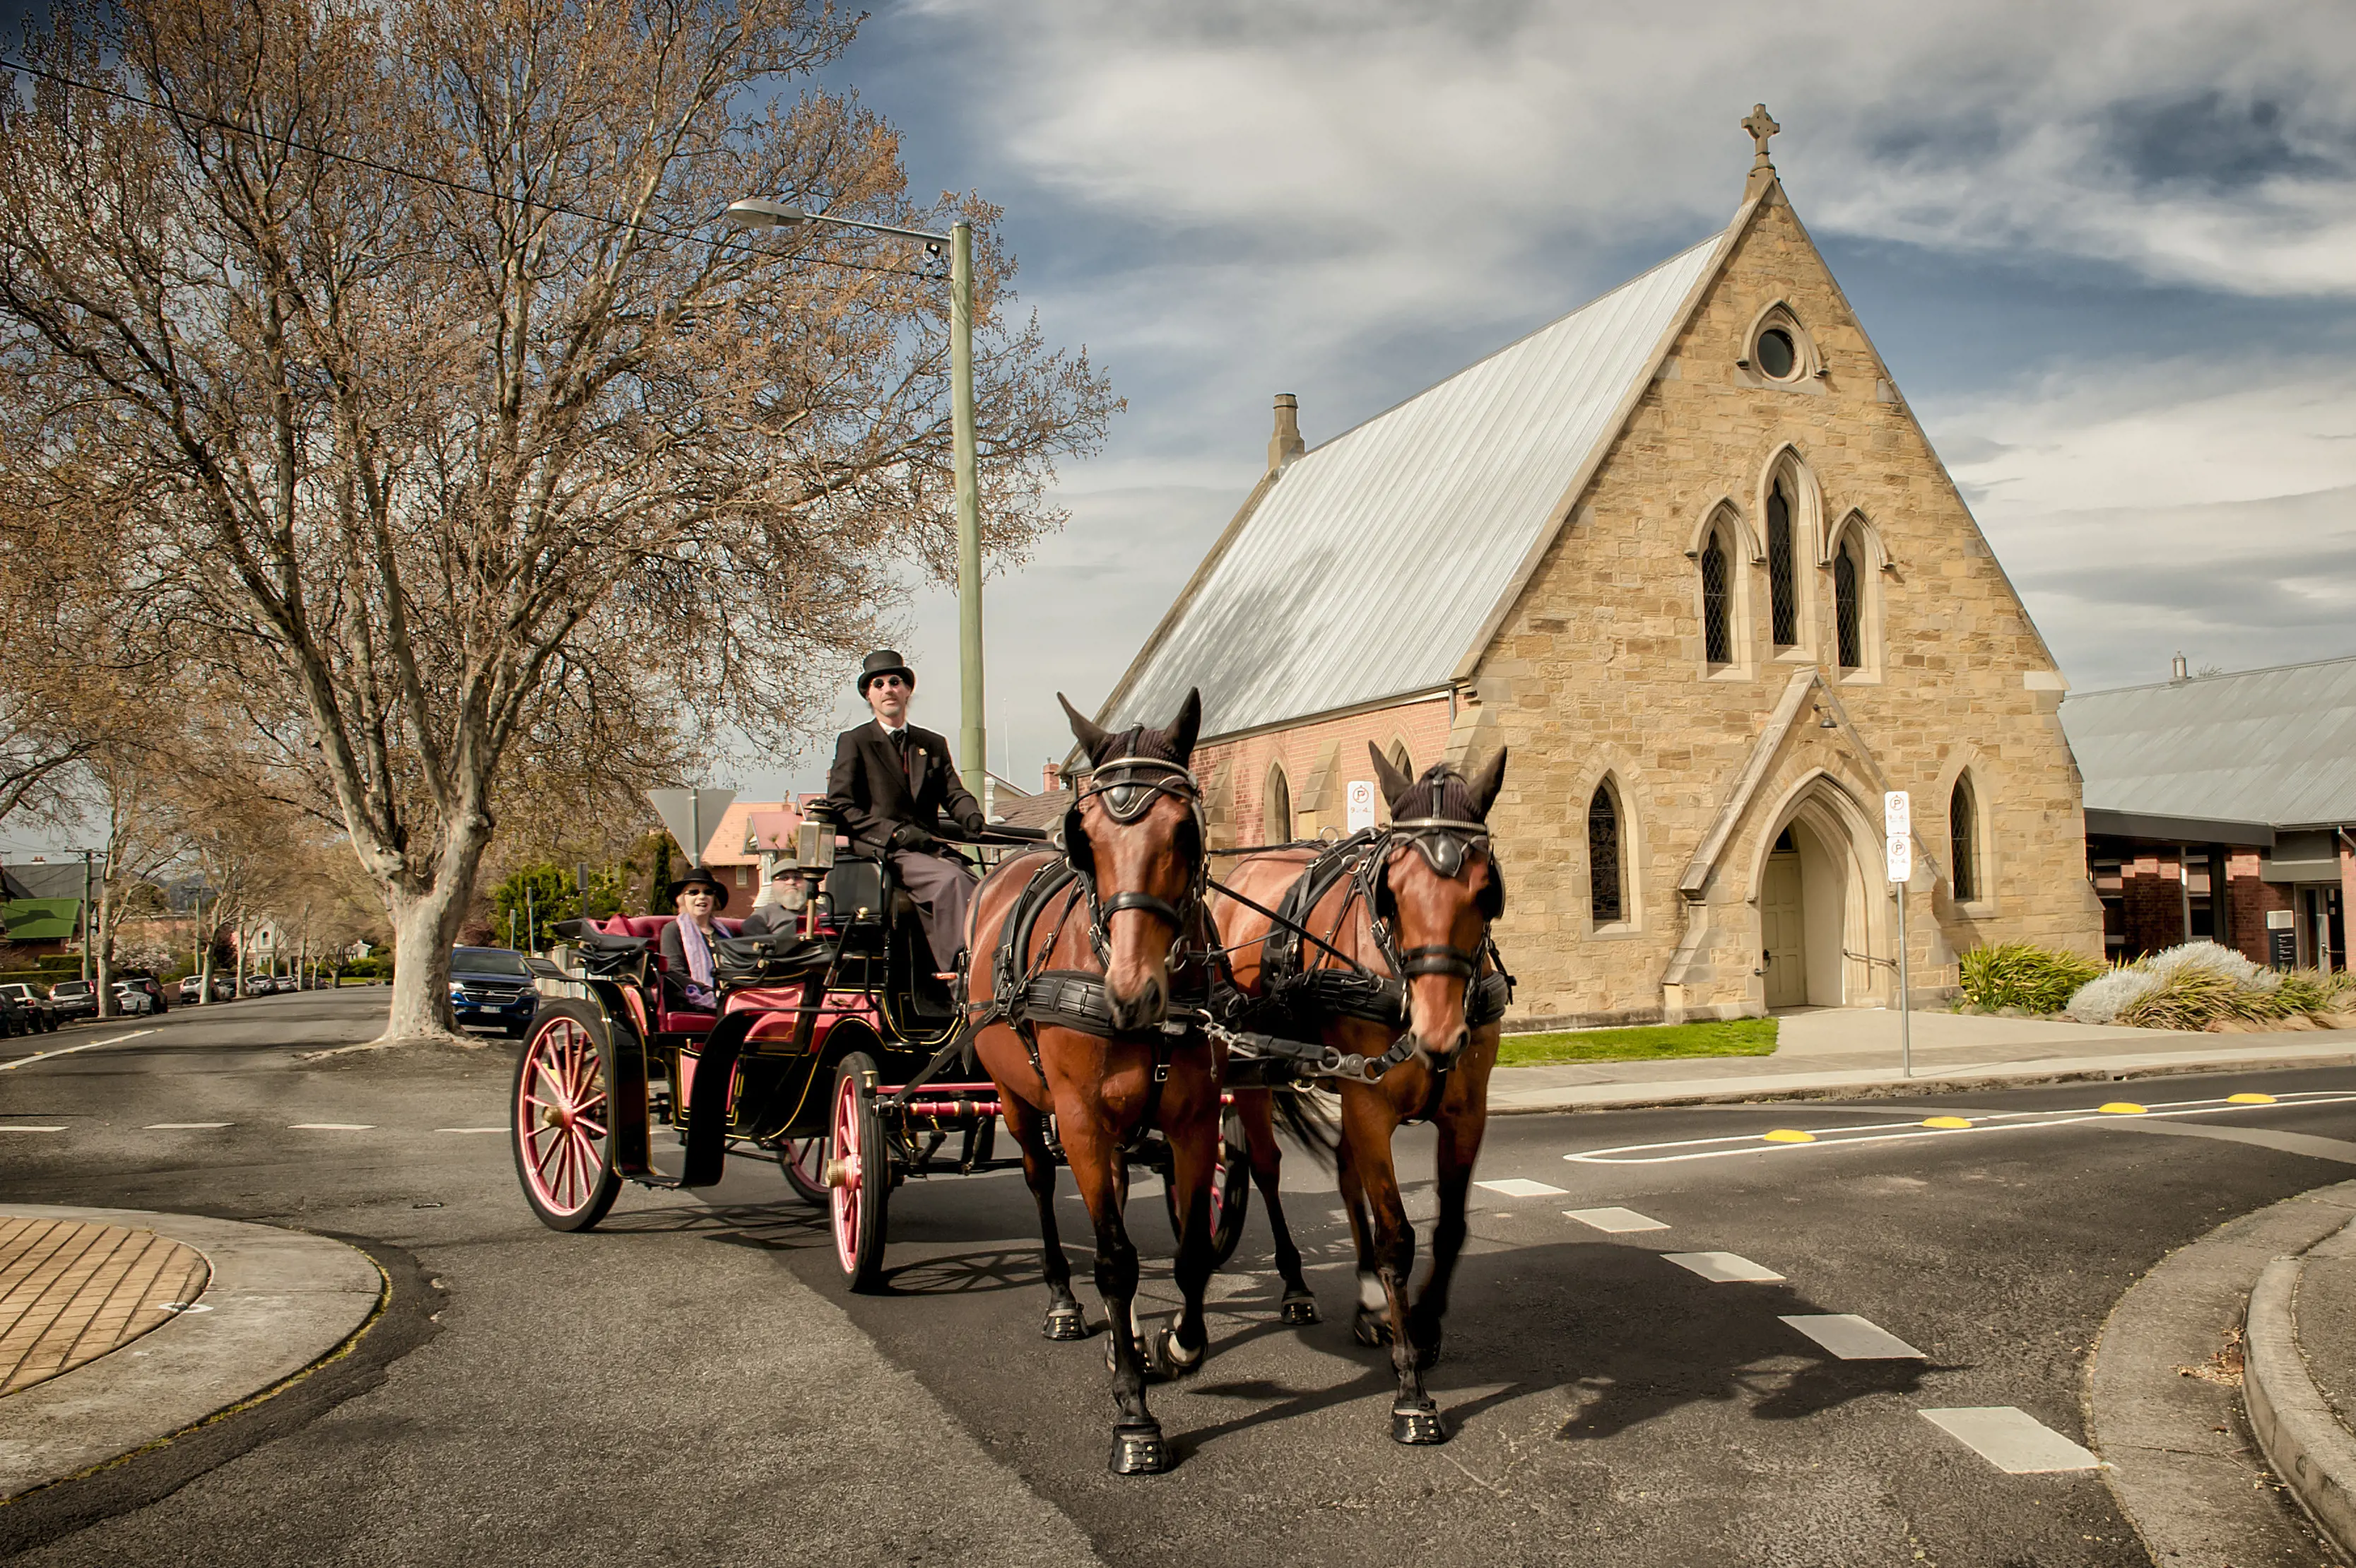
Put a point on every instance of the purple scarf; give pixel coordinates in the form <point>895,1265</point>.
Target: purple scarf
<point>697,953</point>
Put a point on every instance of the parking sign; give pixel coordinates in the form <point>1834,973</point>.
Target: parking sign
<point>1362,804</point>
<point>1897,826</point>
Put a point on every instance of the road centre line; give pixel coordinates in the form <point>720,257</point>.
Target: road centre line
<point>1615,1220</point>
<point>25,1129</point>
<point>1784,1139</point>
<point>1723,1268</point>
<point>1851,1337</point>
<point>470,1129</point>
<point>330,1127</point>
<point>1520,1186</point>
<point>2011,1439</point>
<point>184,1126</point>
<point>69,1050</point>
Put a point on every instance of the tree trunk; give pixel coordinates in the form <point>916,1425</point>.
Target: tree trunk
<point>103,955</point>
<point>425,925</point>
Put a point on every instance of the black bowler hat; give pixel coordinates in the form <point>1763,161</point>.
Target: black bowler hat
<point>884,661</point>
<point>700,878</point>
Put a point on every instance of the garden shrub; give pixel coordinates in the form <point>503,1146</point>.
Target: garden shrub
<point>2102,999</point>
<point>2194,995</point>
<point>2021,974</point>
<point>2201,982</point>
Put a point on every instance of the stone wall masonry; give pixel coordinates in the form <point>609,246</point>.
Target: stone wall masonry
<point>1597,669</point>
<point>1333,749</point>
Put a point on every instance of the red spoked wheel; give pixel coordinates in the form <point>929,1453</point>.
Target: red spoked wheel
<point>804,1160</point>
<point>1230,1191</point>
<point>859,1172</point>
<point>561,1121</point>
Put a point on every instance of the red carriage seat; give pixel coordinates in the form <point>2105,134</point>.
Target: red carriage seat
<point>669,1020</point>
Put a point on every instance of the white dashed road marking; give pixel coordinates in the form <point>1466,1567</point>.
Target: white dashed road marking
<point>1615,1220</point>
<point>1517,1187</point>
<point>2012,1440</point>
<point>184,1126</point>
<point>25,1129</point>
<point>69,1050</point>
<point>1852,1338</point>
<point>470,1129</point>
<point>330,1127</point>
<point>1723,1268</point>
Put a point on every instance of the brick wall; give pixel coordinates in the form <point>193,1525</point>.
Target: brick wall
<point>2252,901</point>
<point>1319,759</point>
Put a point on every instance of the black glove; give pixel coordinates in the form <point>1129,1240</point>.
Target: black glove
<point>973,824</point>
<point>908,835</point>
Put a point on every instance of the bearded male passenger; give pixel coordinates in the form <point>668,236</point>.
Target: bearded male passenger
<point>890,788</point>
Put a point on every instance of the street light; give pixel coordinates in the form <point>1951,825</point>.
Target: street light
<point>755,213</point>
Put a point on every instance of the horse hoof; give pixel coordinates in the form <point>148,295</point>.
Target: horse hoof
<point>1418,1424</point>
<point>1369,1329</point>
<point>1066,1322</point>
<point>1175,1360</point>
<point>1138,1450</point>
<point>1299,1309</point>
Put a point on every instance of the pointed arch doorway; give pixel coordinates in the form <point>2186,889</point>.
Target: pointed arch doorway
<point>1814,922</point>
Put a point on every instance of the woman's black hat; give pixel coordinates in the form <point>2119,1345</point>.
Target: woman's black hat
<point>884,661</point>
<point>701,877</point>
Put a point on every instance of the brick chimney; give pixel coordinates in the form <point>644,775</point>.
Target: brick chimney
<point>1286,444</point>
<point>1051,777</point>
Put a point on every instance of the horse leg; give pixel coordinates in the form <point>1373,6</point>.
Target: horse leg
<point>1137,1446</point>
<point>1463,1118</point>
<point>1367,1325</point>
<point>1369,1125</point>
<point>1257,1115</point>
<point>1192,1143</point>
<point>1065,1318</point>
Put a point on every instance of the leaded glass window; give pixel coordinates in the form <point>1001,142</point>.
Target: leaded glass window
<point>1603,855</point>
<point>1847,611</point>
<point>1716,604</point>
<point>1962,840</point>
<point>1781,587</point>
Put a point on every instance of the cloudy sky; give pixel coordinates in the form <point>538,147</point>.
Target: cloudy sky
<point>2109,251</point>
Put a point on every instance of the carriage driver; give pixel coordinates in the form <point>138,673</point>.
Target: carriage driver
<point>890,786</point>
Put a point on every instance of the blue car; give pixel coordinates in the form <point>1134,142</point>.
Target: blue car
<point>491,987</point>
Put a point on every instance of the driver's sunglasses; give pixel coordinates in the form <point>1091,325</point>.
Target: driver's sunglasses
<point>887,681</point>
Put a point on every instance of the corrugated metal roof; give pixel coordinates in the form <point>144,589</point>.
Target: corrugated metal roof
<point>1377,557</point>
<point>2268,745</point>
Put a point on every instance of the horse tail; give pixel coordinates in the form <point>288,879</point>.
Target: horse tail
<point>1301,1113</point>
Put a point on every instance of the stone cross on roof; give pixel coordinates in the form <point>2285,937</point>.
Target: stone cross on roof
<point>1761,127</point>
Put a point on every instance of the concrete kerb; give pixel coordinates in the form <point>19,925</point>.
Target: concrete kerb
<point>279,1303</point>
<point>2302,1439</point>
<point>2162,1412</point>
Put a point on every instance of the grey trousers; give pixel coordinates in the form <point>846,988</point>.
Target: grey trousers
<point>943,889</point>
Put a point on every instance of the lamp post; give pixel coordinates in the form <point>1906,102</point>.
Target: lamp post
<point>756,213</point>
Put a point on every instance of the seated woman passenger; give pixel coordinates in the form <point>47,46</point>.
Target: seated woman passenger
<point>687,941</point>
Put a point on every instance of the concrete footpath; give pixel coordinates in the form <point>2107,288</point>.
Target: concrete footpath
<point>124,1327</point>
<point>1831,1052</point>
<point>2300,1383</point>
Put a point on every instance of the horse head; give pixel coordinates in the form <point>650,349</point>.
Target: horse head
<point>1135,833</point>
<point>1437,889</point>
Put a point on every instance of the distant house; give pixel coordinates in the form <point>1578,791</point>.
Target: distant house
<point>2223,806</point>
<point>42,926</point>
<point>42,879</point>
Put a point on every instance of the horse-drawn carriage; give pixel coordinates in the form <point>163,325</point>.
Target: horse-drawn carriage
<point>833,1048</point>
<point>1126,1010</point>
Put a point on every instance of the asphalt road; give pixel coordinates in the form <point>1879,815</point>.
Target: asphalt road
<point>691,1383</point>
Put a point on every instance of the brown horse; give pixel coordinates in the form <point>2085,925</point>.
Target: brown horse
<point>1409,909</point>
<point>1070,1008</point>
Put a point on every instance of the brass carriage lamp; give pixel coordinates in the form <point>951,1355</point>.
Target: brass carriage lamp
<point>813,854</point>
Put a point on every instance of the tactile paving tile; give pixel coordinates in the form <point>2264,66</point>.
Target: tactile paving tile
<point>70,1292</point>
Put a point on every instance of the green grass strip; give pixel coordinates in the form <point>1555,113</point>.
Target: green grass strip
<point>1735,1037</point>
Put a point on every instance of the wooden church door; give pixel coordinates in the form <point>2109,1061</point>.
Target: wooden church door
<point>1781,930</point>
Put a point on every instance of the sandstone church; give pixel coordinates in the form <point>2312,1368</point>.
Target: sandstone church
<point>1687,553</point>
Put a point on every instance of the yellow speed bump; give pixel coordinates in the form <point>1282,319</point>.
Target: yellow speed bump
<point>2120,1108</point>
<point>1788,1135</point>
<point>1946,1121</point>
<point>2249,1099</point>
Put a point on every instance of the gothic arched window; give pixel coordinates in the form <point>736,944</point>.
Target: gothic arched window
<point>1849,606</point>
<point>1716,604</point>
<point>1782,578</point>
<point>1605,893</point>
<point>1963,839</point>
<point>1276,809</point>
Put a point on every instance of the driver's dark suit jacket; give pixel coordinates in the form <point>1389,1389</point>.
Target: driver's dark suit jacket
<point>871,795</point>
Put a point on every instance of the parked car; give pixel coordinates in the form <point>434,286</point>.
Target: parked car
<point>224,987</point>
<point>144,981</point>
<point>132,1000</point>
<point>192,988</point>
<point>23,1010</point>
<point>73,999</point>
<point>259,985</point>
<point>492,987</point>
<point>290,982</point>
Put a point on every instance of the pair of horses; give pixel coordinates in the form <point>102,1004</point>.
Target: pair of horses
<point>1142,913</point>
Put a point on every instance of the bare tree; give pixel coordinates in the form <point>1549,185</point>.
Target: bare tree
<point>443,423</point>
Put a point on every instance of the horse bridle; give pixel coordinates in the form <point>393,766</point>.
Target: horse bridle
<point>1127,788</point>
<point>1444,842</point>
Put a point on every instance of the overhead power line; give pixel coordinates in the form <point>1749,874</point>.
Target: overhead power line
<point>459,185</point>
